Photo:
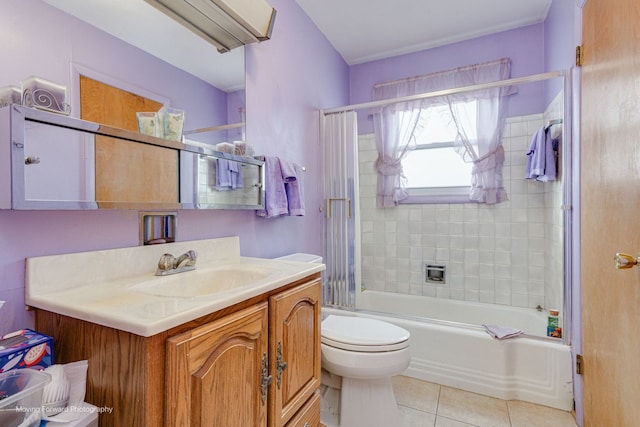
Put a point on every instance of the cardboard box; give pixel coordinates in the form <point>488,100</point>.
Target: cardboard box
<point>25,349</point>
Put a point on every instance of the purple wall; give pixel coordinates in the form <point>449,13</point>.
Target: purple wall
<point>289,78</point>
<point>559,42</point>
<point>525,47</point>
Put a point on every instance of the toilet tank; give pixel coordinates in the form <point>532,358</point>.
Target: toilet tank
<point>301,257</point>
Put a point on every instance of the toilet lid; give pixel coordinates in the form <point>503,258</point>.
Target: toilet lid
<point>363,334</point>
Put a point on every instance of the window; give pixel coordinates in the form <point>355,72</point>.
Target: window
<point>435,172</point>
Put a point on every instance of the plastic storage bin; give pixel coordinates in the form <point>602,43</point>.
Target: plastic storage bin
<point>21,397</point>
<point>148,124</point>
<point>171,122</point>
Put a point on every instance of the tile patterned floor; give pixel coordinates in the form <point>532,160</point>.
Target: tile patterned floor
<point>424,404</point>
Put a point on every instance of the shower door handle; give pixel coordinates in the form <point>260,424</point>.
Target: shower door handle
<point>625,261</point>
<point>330,200</point>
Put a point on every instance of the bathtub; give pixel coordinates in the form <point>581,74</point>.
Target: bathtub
<point>464,356</point>
<point>529,320</point>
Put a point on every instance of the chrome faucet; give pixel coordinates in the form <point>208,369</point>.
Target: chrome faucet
<point>168,264</point>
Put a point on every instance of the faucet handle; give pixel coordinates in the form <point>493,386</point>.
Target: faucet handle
<point>187,259</point>
<point>167,262</point>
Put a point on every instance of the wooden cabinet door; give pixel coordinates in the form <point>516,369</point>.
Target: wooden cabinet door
<point>128,172</point>
<point>294,326</point>
<point>214,372</point>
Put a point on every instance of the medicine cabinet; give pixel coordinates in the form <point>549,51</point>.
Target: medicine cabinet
<point>50,161</point>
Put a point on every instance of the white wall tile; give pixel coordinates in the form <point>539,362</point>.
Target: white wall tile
<point>509,253</point>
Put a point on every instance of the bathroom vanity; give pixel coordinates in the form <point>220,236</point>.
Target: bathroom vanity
<point>245,354</point>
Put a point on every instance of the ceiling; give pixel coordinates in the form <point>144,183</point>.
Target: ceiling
<point>366,30</point>
<point>360,30</point>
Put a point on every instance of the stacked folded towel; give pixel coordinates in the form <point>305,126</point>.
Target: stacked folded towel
<point>501,332</point>
<point>283,189</point>
<point>228,175</point>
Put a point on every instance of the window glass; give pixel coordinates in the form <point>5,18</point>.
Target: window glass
<point>436,167</point>
<point>433,162</point>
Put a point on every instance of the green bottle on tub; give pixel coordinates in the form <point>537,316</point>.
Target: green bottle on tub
<point>553,324</point>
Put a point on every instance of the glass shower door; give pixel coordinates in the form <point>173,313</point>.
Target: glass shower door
<point>340,226</point>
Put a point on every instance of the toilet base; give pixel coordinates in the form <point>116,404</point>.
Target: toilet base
<point>362,403</point>
<point>366,403</point>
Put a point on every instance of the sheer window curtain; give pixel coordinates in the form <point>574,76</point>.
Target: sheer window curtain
<point>478,141</point>
<point>394,133</point>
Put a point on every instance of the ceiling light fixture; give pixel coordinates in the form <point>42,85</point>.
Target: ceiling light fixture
<point>226,24</point>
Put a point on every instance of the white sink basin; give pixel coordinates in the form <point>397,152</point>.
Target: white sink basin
<point>209,281</point>
<point>131,298</point>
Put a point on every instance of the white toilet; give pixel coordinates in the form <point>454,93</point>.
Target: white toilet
<point>359,357</point>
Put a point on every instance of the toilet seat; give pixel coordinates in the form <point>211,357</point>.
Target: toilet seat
<point>363,334</point>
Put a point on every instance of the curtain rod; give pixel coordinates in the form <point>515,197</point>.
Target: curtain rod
<point>383,102</point>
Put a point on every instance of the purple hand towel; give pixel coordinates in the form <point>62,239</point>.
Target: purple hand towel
<point>292,177</point>
<point>289,172</point>
<point>228,175</point>
<point>275,198</point>
<point>541,161</point>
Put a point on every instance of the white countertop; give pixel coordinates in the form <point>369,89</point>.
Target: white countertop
<point>118,288</point>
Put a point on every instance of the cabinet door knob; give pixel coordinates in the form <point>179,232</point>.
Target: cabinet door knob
<point>32,160</point>
<point>280,365</point>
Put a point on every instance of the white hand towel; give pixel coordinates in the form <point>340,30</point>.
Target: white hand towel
<point>501,332</point>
